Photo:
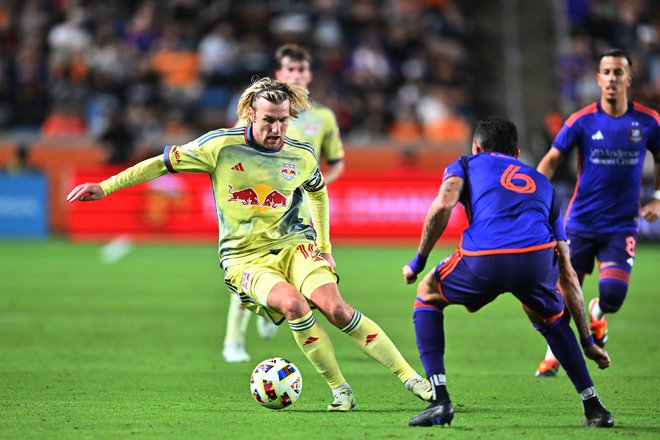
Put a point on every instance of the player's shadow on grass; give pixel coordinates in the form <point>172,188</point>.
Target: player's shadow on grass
<point>412,411</point>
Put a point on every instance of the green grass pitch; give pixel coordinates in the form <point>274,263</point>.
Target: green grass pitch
<point>132,349</point>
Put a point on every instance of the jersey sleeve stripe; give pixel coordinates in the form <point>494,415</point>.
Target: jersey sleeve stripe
<point>640,108</point>
<point>167,160</point>
<point>591,108</point>
<point>302,145</point>
<point>218,133</point>
<point>204,137</point>
<point>575,189</point>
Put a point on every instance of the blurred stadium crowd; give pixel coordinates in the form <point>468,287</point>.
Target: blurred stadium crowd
<point>596,25</point>
<point>135,73</point>
<point>591,27</point>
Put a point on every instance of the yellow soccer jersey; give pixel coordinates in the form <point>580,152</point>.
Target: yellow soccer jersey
<point>318,126</point>
<point>257,191</point>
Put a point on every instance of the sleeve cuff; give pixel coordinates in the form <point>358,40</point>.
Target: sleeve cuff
<point>587,342</point>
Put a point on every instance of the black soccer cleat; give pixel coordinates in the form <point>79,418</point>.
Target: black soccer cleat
<point>438,413</point>
<point>596,414</point>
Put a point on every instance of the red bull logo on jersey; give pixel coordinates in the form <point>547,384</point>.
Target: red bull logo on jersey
<point>260,196</point>
<point>311,128</point>
<point>275,199</point>
<point>288,171</point>
<point>246,196</point>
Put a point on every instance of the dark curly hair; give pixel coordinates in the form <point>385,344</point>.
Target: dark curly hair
<point>497,134</point>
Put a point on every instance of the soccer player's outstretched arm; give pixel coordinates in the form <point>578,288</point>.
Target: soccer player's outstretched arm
<point>550,162</point>
<point>146,170</point>
<point>435,223</point>
<point>569,286</point>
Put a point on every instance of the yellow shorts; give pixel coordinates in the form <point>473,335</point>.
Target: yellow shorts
<point>301,266</point>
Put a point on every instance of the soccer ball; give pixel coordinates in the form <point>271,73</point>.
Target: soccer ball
<point>276,383</point>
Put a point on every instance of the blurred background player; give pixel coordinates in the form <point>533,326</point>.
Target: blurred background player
<point>317,126</point>
<point>276,265</point>
<point>602,220</point>
<point>515,229</point>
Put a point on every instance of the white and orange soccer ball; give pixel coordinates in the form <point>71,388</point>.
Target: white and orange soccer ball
<point>276,383</point>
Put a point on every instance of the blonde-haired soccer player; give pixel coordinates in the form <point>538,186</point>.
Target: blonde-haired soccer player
<point>273,263</point>
<point>316,125</point>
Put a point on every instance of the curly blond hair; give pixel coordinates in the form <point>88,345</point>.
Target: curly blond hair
<point>276,92</point>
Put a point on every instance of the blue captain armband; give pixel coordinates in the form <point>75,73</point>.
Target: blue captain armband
<point>418,263</point>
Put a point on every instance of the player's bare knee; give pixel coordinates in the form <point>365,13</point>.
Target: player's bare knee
<point>291,304</point>
<point>339,313</point>
<point>427,290</point>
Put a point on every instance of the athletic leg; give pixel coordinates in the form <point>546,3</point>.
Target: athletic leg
<point>313,341</point>
<point>583,254</point>
<point>368,337</point>
<point>428,319</point>
<point>562,341</point>
<point>234,345</point>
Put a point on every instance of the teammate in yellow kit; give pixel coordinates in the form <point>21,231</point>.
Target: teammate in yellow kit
<point>317,126</point>
<point>273,262</point>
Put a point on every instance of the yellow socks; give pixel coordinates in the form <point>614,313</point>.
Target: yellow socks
<point>373,341</point>
<point>316,345</point>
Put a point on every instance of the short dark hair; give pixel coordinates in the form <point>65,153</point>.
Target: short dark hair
<point>614,52</point>
<point>497,134</point>
<point>293,51</point>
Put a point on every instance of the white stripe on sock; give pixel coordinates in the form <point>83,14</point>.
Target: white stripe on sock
<point>588,393</point>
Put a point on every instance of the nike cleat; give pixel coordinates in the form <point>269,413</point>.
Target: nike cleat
<point>596,414</point>
<point>344,400</point>
<point>438,413</point>
<point>547,368</point>
<point>598,327</point>
<point>420,387</point>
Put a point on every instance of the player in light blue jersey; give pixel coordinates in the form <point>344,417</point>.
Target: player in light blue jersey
<point>611,137</point>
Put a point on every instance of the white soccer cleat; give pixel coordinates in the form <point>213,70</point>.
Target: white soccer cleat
<point>420,387</point>
<point>235,352</point>
<point>265,328</point>
<point>344,400</point>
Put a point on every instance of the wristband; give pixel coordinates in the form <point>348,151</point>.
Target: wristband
<point>656,194</point>
<point>587,342</point>
<point>417,264</point>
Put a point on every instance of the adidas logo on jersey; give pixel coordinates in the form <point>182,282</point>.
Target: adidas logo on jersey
<point>598,136</point>
<point>238,167</point>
